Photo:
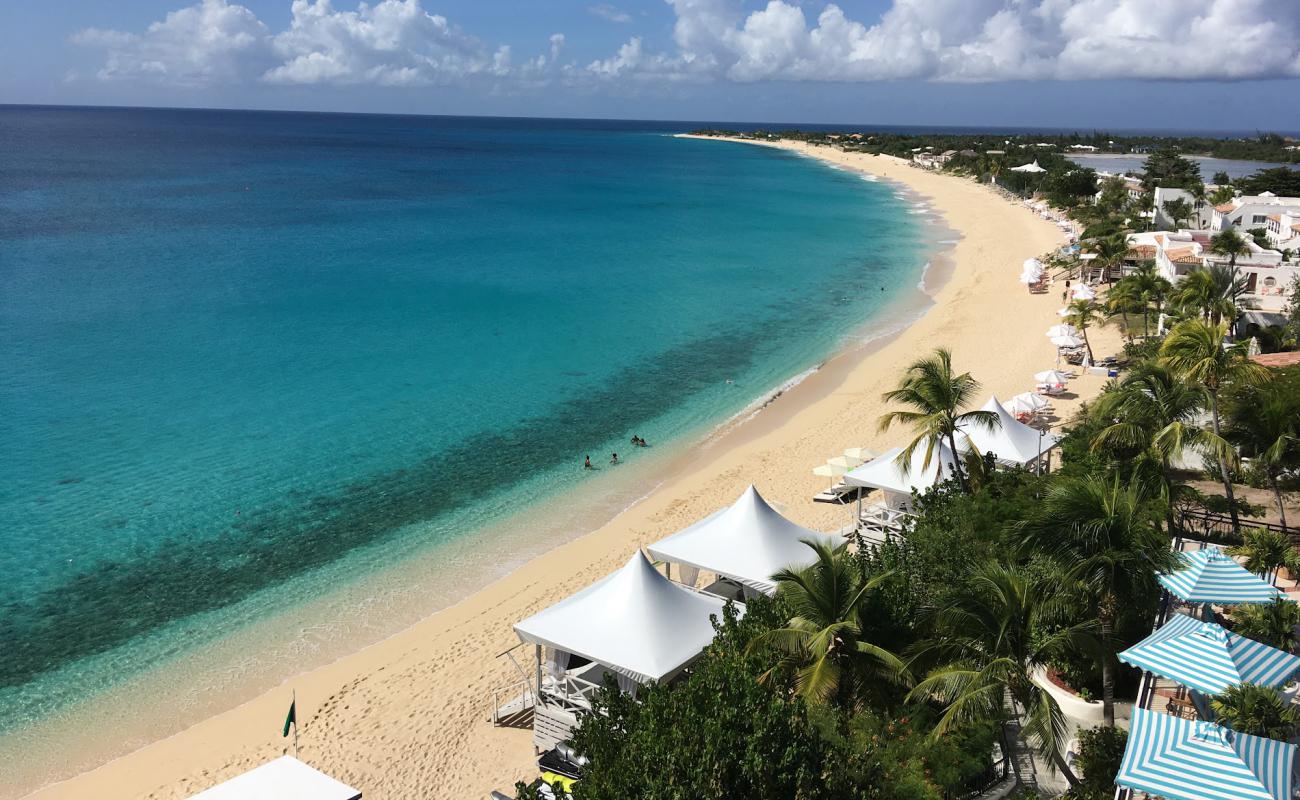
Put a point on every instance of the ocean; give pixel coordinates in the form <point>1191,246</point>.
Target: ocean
<point>255,359</point>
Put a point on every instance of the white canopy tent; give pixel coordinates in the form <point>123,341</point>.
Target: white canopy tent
<point>635,622</point>
<point>285,778</point>
<point>1029,167</point>
<point>896,478</point>
<point>747,542</point>
<point>1013,442</point>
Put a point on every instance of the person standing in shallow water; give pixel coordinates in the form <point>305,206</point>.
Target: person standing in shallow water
<point>587,464</point>
<point>613,458</point>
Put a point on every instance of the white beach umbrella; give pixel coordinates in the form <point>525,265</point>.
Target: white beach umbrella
<point>1051,376</point>
<point>1063,312</point>
<point>1067,341</point>
<point>1062,330</point>
<point>829,470</point>
<point>1084,292</point>
<point>1033,265</point>
<point>1026,402</point>
<point>1031,277</point>
<point>844,461</point>
<point>862,454</point>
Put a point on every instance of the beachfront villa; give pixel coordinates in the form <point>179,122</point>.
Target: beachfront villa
<point>1177,253</point>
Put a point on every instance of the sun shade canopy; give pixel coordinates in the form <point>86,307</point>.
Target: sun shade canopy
<point>1211,576</point>
<point>1182,759</point>
<point>285,778</point>
<point>1205,657</point>
<point>892,474</point>
<point>747,541</point>
<point>635,622</point>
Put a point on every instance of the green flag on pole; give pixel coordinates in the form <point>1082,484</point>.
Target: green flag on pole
<point>292,719</point>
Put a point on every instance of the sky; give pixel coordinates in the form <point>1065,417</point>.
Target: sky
<point>1078,64</point>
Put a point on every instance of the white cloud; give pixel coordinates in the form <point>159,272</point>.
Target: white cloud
<point>384,43</point>
<point>986,40</point>
<point>611,13</point>
<point>400,43</point>
<point>206,43</point>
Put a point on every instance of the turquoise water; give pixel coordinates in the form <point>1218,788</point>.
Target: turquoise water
<point>240,348</point>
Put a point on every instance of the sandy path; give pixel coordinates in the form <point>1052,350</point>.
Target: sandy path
<point>407,717</point>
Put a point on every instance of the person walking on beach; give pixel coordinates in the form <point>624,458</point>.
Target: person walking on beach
<point>587,464</point>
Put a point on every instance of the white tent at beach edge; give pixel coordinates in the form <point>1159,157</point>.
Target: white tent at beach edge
<point>635,621</point>
<point>887,472</point>
<point>748,541</point>
<point>284,778</point>
<point>1013,442</point>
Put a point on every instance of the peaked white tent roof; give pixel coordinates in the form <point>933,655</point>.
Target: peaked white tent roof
<point>1013,441</point>
<point>635,622</point>
<point>887,471</point>
<point>1029,167</point>
<point>747,541</point>
<point>285,778</point>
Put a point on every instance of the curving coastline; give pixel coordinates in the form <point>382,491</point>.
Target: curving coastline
<point>407,716</point>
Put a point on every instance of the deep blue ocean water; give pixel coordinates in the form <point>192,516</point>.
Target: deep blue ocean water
<point>238,347</point>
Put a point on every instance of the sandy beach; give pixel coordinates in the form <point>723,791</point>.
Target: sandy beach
<point>408,717</point>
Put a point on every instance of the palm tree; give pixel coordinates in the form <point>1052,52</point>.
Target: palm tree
<point>1212,293</point>
<point>1256,711</point>
<point>1152,288</point>
<point>937,396</point>
<point>1110,252</point>
<point>1273,623</point>
<point>990,641</point>
<point>1265,551</point>
<point>1153,412</point>
<point>1100,534</point>
<point>1199,353</point>
<point>1123,297</point>
<point>1265,423</point>
<point>1231,244</point>
<point>1082,314</point>
<point>822,643</point>
<point>1177,209</point>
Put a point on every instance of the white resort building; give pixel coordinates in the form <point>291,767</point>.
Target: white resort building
<point>1279,216</point>
<point>1176,253</point>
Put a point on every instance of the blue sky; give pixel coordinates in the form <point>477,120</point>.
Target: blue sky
<point>1167,64</point>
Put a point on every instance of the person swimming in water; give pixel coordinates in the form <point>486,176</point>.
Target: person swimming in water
<point>587,464</point>
<point>613,458</point>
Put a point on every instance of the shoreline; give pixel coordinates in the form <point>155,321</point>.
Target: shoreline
<point>408,714</point>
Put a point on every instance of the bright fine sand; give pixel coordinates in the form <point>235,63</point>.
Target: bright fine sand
<point>408,717</point>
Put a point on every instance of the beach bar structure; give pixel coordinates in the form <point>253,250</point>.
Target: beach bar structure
<point>285,778</point>
<point>744,545</point>
<point>635,626</point>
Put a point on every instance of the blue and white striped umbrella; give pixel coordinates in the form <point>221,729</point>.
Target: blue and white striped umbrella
<point>1182,759</point>
<point>1205,657</point>
<point>1211,576</point>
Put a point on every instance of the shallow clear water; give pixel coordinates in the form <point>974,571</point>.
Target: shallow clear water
<point>241,348</point>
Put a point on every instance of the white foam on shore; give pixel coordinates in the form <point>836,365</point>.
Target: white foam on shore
<point>756,406</point>
<point>868,177</point>
<point>920,284</point>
